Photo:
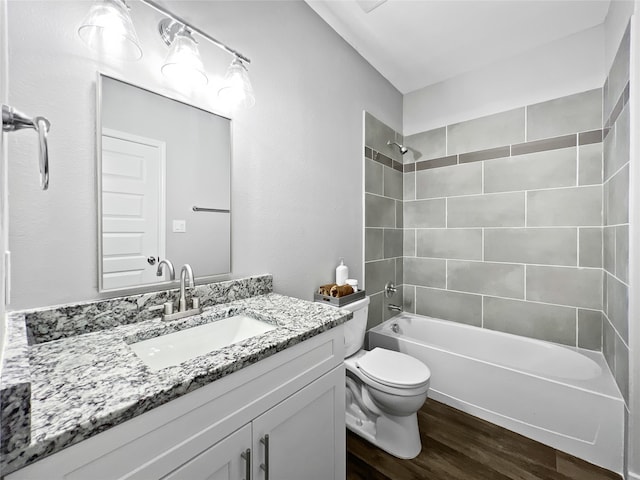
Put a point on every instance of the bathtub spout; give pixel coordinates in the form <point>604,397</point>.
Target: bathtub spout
<point>395,308</point>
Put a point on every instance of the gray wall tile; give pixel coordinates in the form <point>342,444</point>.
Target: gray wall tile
<point>590,164</point>
<point>500,279</point>
<point>590,329</point>
<point>622,253</point>
<point>379,211</point>
<point>496,130</point>
<point>622,368</point>
<point>619,73</point>
<point>376,135</point>
<point>409,242</point>
<point>427,145</point>
<point>424,213</point>
<point>553,168</point>
<point>426,272</point>
<point>617,144</point>
<point>609,249</point>
<point>409,298</point>
<point>555,143</point>
<point>392,242</point>
<point>579,206</point>
<point>546,246</point>
<point>618,306</point>
<point>609,344</point>
<point>399,214</point>
<point>534,320</point>
<point>377,274</point>
<point>459,243</point>
<point>446,305</point>
<point>590,241</point>
<point>495,210</point>
<point>373,177</point>
<point>373,244</point>
<point>399,271</point>
<point>617,194</point>
<point>392,183</point>
<point>570,114</point>
<point>449,181</point>
<point>374,316</point>
<point>576,287</point>
<point>409,186</point>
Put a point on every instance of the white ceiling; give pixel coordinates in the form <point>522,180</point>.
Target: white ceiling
<point>415,43</point>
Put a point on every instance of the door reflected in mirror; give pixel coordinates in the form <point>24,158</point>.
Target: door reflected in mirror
<point>164,184</point>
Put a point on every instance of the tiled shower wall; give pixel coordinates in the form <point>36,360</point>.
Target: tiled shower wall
<point>616,217</point>
<point>503,221</point>
<point>383,218</point>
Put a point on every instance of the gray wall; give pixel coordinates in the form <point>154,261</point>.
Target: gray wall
<point>297,161</point>
<point>502,220</point>
<point>383,217</point>
<point>616,216</point>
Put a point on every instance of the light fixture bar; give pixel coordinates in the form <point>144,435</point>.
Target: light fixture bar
<point>174,17</point>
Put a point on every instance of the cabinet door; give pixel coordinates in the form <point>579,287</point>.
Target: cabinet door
<point>306,433</point>
<point>223,461</point>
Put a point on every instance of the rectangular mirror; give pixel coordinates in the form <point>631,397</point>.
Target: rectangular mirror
<point>164,179</point>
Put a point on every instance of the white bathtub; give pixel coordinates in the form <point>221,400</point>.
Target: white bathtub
<point>561,396</point>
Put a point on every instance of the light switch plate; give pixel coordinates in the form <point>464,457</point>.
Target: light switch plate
<point>179,226</point>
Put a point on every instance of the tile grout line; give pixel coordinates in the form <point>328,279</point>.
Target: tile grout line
<point>577,328</point>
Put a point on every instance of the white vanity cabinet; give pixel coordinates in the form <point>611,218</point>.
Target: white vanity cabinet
<point>295,397</point>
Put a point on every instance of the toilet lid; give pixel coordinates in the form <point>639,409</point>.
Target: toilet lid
<point>393,368</point>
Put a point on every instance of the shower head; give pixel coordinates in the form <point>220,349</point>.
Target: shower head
<point>402,148</point>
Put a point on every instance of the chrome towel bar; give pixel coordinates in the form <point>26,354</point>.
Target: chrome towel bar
<point>13,120</point>
<point>215,210</point>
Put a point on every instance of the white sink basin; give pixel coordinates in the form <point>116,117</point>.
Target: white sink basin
<point>174,348</point>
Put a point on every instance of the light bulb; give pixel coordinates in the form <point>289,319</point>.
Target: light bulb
<point>108,29</point>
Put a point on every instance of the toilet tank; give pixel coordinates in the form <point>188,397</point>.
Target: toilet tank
<point>355,328</point>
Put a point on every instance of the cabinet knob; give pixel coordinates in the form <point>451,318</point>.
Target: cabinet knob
<point>265,466</point>
<point>246,455</point>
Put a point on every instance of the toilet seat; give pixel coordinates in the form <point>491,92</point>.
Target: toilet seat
<point>393,369</point>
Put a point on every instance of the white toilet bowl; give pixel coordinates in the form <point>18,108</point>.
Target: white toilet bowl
<point>385,389</point>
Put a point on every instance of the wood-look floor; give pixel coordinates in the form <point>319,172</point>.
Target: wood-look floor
<point>458,446</point>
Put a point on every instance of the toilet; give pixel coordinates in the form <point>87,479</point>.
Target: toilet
<point>384,390</point>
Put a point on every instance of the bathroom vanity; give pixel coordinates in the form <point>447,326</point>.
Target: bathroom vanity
<point>270,406</point>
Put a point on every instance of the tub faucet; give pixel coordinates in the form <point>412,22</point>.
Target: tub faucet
<point>186,270</point>
<point>167,262</point>
<point>395,308</point>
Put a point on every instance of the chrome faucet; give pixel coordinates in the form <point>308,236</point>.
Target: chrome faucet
<point>186,270</point>
<point>182,312</point>
<point>167,262</point>
<point>395,308</point>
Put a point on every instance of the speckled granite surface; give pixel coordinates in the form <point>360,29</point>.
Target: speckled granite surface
<point>82,385</point>
<point>47,324</point>
<point>15,387</point>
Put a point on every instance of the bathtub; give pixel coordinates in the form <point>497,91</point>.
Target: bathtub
<point>561,396</point>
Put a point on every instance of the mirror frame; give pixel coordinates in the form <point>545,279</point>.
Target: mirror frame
<point>167,284</point>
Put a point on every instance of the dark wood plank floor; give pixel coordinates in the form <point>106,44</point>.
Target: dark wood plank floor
<point>458,446</point>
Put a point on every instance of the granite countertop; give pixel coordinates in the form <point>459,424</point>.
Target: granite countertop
<point>84,384</point>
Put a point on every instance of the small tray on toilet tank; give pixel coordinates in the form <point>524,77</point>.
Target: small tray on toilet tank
<point>339,301</point>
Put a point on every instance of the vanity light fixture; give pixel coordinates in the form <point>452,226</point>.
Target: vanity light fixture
<point>236,89</point>
<point>108,29</point>
<point>183,64</point>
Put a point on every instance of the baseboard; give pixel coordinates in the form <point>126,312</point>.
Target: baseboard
<point>633,476</point>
